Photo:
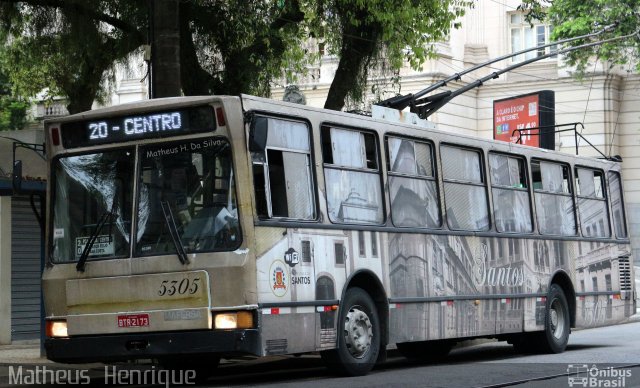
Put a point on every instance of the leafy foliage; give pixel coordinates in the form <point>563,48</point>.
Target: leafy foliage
<point>383,34</point>
<point>572,18</point>
<point>240,47</point>
<point>13,109</point>
<point>69,47</point>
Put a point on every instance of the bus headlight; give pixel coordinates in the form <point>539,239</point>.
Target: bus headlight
<point>55,329</point>
<point>234,320</point>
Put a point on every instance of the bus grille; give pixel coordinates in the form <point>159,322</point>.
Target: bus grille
<point>624,270</point>
<point>276,346</point>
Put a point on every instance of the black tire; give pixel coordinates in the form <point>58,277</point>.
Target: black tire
<point>358,342</point>
<point>425,351</point>
<point>557,327</point>
<point>557,322</point>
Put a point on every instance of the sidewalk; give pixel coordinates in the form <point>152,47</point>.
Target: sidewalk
<point>22,353</point>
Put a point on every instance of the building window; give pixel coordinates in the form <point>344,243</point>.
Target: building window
<point>374,244</point>
<point>306,251</point>
<point>338,249</point>
<point>525,35</point>
<point>361,244</point>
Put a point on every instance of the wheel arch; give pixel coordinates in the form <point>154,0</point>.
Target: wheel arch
<point>562,279</point>
<point>370,282</point>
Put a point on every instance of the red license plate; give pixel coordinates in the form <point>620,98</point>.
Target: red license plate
<point>134,320</point>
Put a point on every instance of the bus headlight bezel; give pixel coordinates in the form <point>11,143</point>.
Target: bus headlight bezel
<point>56,329</point>
<point>233,320</point>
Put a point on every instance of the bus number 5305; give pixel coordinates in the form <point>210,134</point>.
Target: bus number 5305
<point>182,287</point>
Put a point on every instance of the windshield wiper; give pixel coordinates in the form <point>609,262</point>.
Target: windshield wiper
<point>92,239</point>
<point>173,231</point>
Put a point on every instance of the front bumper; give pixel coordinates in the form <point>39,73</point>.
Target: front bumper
<point>120,347</point>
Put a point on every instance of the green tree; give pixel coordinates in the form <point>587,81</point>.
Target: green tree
<point>69,47</point>
<point>216,46</point>
<point>13,109</point>
<point>571,18</point>
<point>232,47</point>
<point>370,34</point>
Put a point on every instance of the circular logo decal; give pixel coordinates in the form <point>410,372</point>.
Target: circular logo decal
<point>279,280</point>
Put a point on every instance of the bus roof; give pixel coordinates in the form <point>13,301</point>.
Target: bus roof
<point>352,119</point>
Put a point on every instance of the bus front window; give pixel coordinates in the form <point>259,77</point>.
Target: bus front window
<point>89,188</point>
<point>193,181</point>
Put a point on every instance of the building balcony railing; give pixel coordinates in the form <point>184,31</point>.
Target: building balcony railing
<point>51,109</point>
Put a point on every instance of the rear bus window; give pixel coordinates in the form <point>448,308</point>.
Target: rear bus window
<point>592,204</point>
<point>617,204</point>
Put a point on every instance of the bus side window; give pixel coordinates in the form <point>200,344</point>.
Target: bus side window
<point>592,203</point>
<point>554,203</point>
<point>282,172</point>
<point>465,189</point>
<point>511,202</point>
<point>352,176</point>
<point>617,205</point>
<point>412,185</point>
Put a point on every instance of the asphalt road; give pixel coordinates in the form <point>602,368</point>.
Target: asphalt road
<point>602,357</point>
<point>608,356</point>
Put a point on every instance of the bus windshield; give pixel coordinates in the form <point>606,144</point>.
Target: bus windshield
<point>189,183</point>
<point>87,187</point>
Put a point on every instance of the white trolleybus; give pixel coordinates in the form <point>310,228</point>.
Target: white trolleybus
<point>188,229</point>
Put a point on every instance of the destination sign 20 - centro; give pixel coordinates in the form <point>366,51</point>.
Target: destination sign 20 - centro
<point>137,125</point>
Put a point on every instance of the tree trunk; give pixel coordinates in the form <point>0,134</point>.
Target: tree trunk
<point>358,47</point>
<point>165,57</point>
<point>195,80</point>
<point>81,101</point>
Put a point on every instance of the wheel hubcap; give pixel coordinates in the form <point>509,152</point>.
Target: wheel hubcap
<point>557,319</point>
<point>358,333</point>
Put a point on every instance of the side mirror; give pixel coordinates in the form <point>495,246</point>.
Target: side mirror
<point>17,176</point>
<point>258,134</point>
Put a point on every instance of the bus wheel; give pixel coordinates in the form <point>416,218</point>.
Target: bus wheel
<point>425,351</point>
<point>358,342</point>
<point>557,323</point>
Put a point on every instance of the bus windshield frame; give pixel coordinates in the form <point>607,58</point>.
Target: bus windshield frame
<point>115,193</point>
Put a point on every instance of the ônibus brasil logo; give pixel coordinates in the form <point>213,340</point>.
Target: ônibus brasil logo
<point>583,375</point>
